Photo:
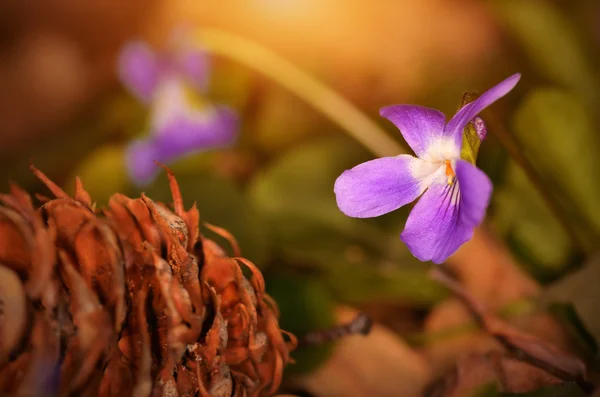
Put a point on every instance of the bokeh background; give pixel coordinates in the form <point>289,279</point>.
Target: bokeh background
<point>63,107</point>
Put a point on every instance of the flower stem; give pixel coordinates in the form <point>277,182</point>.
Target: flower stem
<point>334,106</point>
<point>509,143</point>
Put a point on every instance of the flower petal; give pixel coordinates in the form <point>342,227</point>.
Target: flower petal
<point>194,66</point>
<point>455,127</point>
<point>420,126</point>
<point>383,185</point>
<point>209,128</point>
<point>139,69</point>
<point>475,192</point>
<point>139,157</point>
<point>446,215</point>
<point>180,137</point>
<point>433,231</point>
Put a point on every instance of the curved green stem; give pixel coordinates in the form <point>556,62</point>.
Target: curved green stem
<point>303,85</point>
<point>338,109</point>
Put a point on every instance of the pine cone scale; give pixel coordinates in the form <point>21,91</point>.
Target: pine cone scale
<point>129,301</point>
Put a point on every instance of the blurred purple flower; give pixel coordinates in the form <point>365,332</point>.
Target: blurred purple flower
<point>181,123</point>
<point>455,193</point>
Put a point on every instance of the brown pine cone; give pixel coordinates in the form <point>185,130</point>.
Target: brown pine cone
<point>129,301</point>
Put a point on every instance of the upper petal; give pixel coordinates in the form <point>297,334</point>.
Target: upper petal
<point>446,215</point>
<point>182,135</point>
<point>139,69</point>
<point>193,64</point>
<point>189,61</point>
<point>382,185</point>
<point>420,126</point>
<point>455,127</point>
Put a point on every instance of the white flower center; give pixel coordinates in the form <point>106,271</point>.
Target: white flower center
<point>429,172</point>
<point>442,150</point>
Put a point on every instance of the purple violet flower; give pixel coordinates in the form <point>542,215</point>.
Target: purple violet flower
<point>455,193</point>
<point>181,122</point>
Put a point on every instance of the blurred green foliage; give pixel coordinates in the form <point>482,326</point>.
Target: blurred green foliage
<point>361,260</point>
<point>305,306</point>
<point>221,203</point>
<point>523,217</point>
<point>103,173</point>
<point>551,42</point>
<point>558,135</point>
<point>556,131</point>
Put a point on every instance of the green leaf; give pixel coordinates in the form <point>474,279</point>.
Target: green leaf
<point>558,136</point>
<point>471,140</point>
<point>549,38</point>
<point>470,144</point>
<point>305,306</point>
<point>360,259</point>
<point>221,203</point>
<point>560,390</point>
<point>567,315</point>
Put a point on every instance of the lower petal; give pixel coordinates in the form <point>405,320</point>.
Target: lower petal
<point>383,185</point>
<point>183,135</point>
<point>433,230</point>
<point>209,128</point>
<point>446,215</point>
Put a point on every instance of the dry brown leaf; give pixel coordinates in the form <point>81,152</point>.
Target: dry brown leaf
<point>524,347</point>
<point>377,365</point>
<point>488,271</point>
<point>473,372</point>
<point>448,315</point>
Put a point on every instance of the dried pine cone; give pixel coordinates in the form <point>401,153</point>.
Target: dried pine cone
<point>132,303</point>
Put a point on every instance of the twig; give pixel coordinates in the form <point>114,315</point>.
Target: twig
<point>360,325</point>
<point>522,346</point>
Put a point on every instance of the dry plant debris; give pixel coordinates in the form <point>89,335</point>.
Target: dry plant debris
<point>524,363</point>
<point>130,300</point>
